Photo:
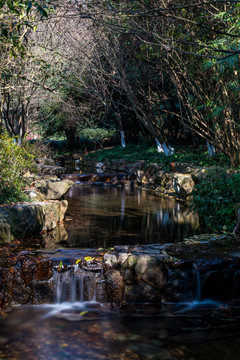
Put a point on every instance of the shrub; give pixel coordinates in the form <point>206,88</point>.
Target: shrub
<point>37,148</point>
<point>96,133</point>
<point>215,197</point>
<point>14,162</point>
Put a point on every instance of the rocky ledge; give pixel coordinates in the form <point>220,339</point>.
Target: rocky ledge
<point>48,166</point>
<point>43,214</point>
<point>177,179</point>
<point>25,220</point>
<point>207,267</point>
<point>202,267</point>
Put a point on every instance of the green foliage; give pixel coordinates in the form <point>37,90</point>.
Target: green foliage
<point>51,120</point>
<point>14,162</point>
<point>215,197</point>
<point>96,133</point>
<point>17,15</point>
<point>37,148</point>
<point>149,153</point>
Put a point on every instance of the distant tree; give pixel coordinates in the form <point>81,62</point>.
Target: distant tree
<point>17,85</point>
<point>177,61</point>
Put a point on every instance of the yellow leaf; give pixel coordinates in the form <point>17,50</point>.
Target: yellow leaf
<point>88,258</point>
<point>78,261</point>
<point>83,312</point>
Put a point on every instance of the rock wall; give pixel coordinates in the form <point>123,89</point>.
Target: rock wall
<point>126,275</point>
<point>26,220</point>
<point>176,179</point>
<point>136,274</point>
<point>25,280</point>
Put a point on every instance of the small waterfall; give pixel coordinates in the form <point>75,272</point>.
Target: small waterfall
<point>198,293</point>
<point>94,297</point>
<point>76,285</point>
<point>81,295</point>
<point>122,205</point>
<point>185,284</point>
<point>73,291</point>
<point>123,141</point>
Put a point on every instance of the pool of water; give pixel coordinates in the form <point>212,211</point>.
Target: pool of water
<point>100,332</point>
<point>104,217</point>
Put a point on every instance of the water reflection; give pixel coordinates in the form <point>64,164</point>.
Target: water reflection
<point>104,217</point>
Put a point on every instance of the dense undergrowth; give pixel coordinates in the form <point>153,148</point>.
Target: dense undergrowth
<point>215,199</point>
<point>15,160</point>
<point>149,153</point>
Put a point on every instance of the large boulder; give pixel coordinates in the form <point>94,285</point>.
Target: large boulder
<point>51,170</point>
<point>183,184</point>
<point>165,183</point>
<point>25,220</point>
<point>5,232</point>
<point>53,238</point>
<point>49,189</point>
<point>45,161</point>
<point>151,170</point>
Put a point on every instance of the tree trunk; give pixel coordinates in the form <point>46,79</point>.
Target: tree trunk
<point>71,138</point>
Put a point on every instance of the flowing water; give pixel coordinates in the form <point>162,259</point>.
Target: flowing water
<point>79,327</point>
<point>99,332</point>
<point>77,285</point>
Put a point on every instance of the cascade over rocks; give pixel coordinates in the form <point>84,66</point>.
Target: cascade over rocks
<point>180,272</point>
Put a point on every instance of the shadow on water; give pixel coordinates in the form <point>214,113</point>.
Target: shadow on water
<point>104,217</point>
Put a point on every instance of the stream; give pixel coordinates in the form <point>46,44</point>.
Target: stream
<point>78,327</point>
<point>100,216</point>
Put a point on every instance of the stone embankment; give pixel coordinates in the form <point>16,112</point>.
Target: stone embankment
<point>45,211</point>
<point>176,179</point>
<point>48,166</point>
<point>204,267</point>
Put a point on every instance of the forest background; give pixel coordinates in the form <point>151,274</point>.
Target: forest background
<point>161,73</point>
